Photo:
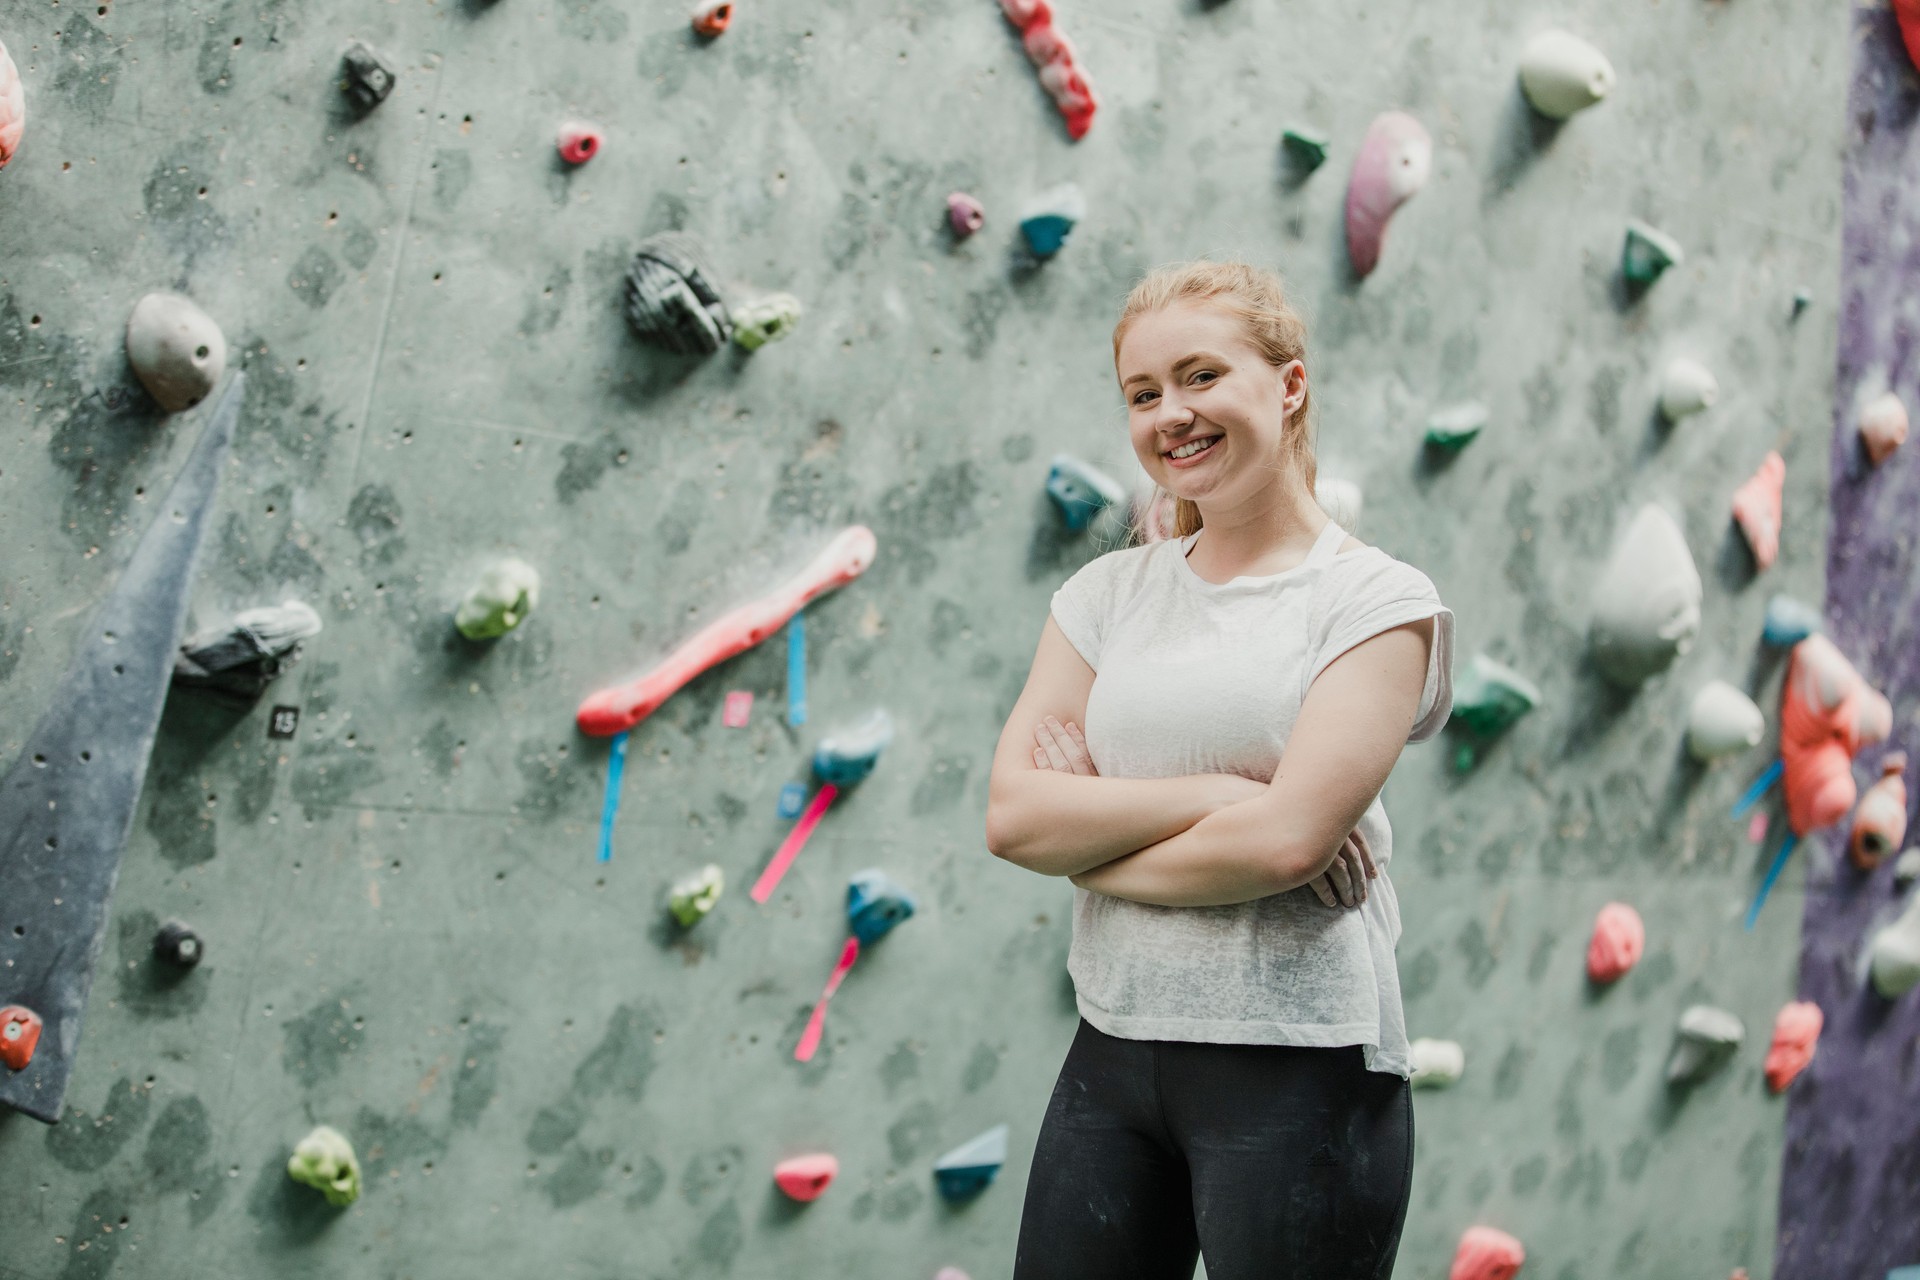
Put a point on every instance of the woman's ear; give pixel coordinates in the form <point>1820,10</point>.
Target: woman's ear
<point>1293,385</point>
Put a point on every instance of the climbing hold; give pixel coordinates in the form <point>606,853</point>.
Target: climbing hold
<point>1081,490</point>
<point>1706,1038</point>
<point>19,1033</point>
<point>1895,953</point>
<point>1907,14</point>
<point>793,798</point>
<point>75,782</point>
<point>1686,387</point>
<point>242,658</point>
<point>738,708</point>
<point>365,75</point>
<point>1646,253</point>
<point>965,215</point>
<point>1395,158</point>
<point>620,707</point>
<point>875,904</point>
<point>1437,1064</point>
<point>694,895</point>
<point>1756,506</point>
<point>1828,712</point>
<point>1052,53</point>
<point>1305,148</point>
<point>1454,429</point>
<point>1340,499</point>
<point>805,1177</point>
<point>176,350</point>
<point>711,17</point>
<point>968,1168</point>
<point>1883,426</point>
<point>1906,867</point>
<point>13,107</point>
<point>1561,74</point>
<point>950,1273</point>
<point>848,756</point>
<point>177,945</point>
<point>673,296</point>
<point>1489,696</point>
<point>1802,299</point>
<point>1049,218</point>
<point>579,141</point>
<point>1722,721</point>
<point>1788,622</point>
<point>506,593</point>
<point>1646,604</point>
<point>1880,823</point>
<point>1796,1032</point>
<point>325,1160</point>
<point>817,1020</point>
<point>1619,940</point>
<point>1485,1253</point>
<point>761,320</point>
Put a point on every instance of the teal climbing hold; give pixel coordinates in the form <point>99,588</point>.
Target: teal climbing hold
<point>1489,696</point>
<point>1081,490</point>
<point>968,1168</point>
<point>1647,253</point>
<point>1307,150</point>
<point>875,904</point>
<point>1050,217</point>
<point>1453,429</point>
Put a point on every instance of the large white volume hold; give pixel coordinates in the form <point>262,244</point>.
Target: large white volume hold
<point>176,349</point>
<point>1646,605</point>
<point>1722,722</point>
<point>1436,1063</point>
<point>1896,953</point>
<point>1686,388</point>
<point>1561,74</point>
<point>1339,499</point>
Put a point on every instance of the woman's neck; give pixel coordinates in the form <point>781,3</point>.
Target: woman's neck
<point>1270,538</point>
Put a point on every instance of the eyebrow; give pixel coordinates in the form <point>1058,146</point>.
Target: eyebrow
<point>1178,365</point>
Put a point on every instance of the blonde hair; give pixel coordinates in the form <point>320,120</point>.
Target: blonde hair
<point>1259,299</point>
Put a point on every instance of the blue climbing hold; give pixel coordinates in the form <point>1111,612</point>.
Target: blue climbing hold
<point>1050,216</point>
<point>847,757</point>
<point>1789,622</point>
<point>968,1168</point>
<point>1081,490</point>
<point>875,903</point>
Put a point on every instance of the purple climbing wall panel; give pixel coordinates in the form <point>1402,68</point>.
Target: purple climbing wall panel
<point>1850,1184</point>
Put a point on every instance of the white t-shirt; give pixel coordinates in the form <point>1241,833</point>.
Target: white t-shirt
<point>1198,677</point>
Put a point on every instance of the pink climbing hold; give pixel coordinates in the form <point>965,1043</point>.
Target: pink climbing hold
<point>1395,158</point>
<point>13,107</point>
<point>805,1177</point>
<point>620,707</point>
<point>1796,1031</point>
<point>1907,13</point>
<point>1486,1254</point>
<point>1619,940</point>
<point>1060,75</point>
<point>579,141</point>
<point>965,214</point>
<point>1883,426</point>
<point>1756,506</point>
<point>1880,823</point>
<point>712,17</point>
<point>1828,713</point>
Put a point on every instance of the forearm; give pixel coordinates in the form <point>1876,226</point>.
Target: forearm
<point>1060,824</point>
<point>1236,854</point>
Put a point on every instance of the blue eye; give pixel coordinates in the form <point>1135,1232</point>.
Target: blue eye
<point>1208,374</point>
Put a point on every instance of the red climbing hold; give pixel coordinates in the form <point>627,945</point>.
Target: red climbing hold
<point>579,141</point>
<point>13,107</point>
<point>1486,1254</point>
<point>712,17</point>
<point>19,1033</point>
<point>1052,53</point>
<point>1796,1030</point>
<point>1619,940</point>
<point>805,1177</point>
<point>1907,13</point>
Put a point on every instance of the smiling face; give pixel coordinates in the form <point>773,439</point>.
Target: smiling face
<point>1206,412</point>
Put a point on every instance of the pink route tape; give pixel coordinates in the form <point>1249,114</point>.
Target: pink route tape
<point>810,1039</point>
<point>739,707</point>
<point>620,707</point>
<point>796,840</point>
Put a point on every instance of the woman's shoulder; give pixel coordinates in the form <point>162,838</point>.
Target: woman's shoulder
<point>1361,569</point>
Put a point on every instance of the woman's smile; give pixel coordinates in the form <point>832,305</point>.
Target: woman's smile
<point>1191,452</point>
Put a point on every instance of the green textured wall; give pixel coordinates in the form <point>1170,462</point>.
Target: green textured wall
<point>408,934</point>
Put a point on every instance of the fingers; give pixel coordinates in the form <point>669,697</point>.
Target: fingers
<point>1065,746</point>
<point>1056,758</point>
<point>1366,854</point>
<point>1040,759</point>
<point>1342,880</point>
<point>1356,869</point>
<point>1323,889</point>
<point>1080,741</point>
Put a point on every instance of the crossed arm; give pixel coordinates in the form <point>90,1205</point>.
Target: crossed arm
<point>1206,839</point>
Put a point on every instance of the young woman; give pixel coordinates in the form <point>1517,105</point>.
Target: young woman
<point>1237,1085</point>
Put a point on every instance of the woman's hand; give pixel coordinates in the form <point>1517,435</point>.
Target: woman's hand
<point>1063,747</point>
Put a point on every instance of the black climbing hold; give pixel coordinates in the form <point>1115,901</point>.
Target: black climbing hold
<point>176,944</point>
<point>673,298</point>
<point>242,658</point>
<point>365,76</point>
<point>69,799</point>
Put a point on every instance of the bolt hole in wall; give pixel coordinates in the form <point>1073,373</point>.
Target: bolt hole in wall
<point>1492,296</point>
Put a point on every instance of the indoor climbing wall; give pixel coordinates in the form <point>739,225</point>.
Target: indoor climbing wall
<point>414,931</point>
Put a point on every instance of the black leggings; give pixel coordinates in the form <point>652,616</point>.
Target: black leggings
<point>1272,1160</point>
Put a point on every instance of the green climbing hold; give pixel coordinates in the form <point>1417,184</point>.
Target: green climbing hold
<point>1307,150</point>
<point>1489,696</point>
<point>1648,252</point>
<point>325,1160</point>
<point>1453,429</point>
<point>762,320</point>
<point>693,895</point>
<point>500,601</point>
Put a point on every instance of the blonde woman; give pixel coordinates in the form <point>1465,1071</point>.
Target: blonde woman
<point>1237,1084</point>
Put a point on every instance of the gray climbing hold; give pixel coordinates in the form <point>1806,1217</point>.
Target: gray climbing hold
<point>67,803</point>
<point>366,75</point>
<point>242,658</point>
<point>1906,867</point>
<point>1646,253</point>
<point>1686,387</point>
<point>968,1168</point>
<point>176,350</point>
<point>673,296</point>
<point>1437,1064</point>
<point>1706,1038</point>
<point>1646,604</point>
<point>1081,490</point>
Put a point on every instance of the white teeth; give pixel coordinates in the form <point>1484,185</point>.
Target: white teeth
<point>1192,447</point>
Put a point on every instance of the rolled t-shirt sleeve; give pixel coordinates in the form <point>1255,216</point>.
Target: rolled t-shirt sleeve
<point>1377,594</point>
<point>1080,607</point>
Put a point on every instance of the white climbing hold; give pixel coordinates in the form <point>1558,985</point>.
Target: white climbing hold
<point>1646,604</point>
<point>1437,1064</point>
<point>1906,867</point>
<point>1686,387</point>
<point>1722,722</point>
<point>1883,426</point>
<point>176,349</point>
<point>1562,74</point>
<point>1707,1038</point>
<point>1896,953</point>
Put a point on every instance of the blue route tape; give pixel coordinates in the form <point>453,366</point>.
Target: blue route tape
<point>797,669</point>
<point>1773,873</point>
<point>1759,788</point>
<point>616,765</point>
